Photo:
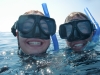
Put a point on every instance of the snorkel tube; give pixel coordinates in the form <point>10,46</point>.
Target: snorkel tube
<point>54,39</point>
<point>95,38</point>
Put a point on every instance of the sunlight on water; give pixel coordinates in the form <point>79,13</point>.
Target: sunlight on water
<point>61,62</point>
<point>3,53</point>
<point>58,65</point>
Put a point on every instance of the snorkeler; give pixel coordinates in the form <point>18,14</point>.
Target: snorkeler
<point>33,32</point>
<point>78,31</point>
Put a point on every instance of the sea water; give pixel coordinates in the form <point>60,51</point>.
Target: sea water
<point>59,63</point>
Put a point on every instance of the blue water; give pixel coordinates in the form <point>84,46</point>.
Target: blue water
<point>58,64</point>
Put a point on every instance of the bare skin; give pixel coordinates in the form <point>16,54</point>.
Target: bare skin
<point>79,44</point>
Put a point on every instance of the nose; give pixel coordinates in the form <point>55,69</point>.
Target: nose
<point>76,35</point>
<point>37,32</point>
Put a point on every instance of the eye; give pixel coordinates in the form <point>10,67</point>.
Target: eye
<point>44,25</point>
<point>68,29</point>
<point>27,26</point>
<point>84,27</point>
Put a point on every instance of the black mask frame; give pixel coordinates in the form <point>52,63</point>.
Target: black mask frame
<point>31,34</point>
<point>72,36</point>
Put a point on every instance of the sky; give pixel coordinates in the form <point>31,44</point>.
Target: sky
<point>10,10</point>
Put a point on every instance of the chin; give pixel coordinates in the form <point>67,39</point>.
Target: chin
<point>77,50</point>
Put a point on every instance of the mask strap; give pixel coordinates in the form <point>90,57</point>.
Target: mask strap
<point>18,46</point>
<point>13,29</point>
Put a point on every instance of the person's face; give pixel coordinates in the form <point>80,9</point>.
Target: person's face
<point>33,45</point>
<point>80,44</point>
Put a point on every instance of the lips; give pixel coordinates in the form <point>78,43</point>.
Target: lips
<point>78,45</point>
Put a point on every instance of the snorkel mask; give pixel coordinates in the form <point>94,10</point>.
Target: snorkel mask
<point>76,30</point>
<point>34,26</point>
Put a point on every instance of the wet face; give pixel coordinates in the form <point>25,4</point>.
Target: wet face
<point>80,44</point>
<point>33,45</point>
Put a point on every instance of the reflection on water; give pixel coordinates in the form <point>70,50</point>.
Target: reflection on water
<point>63,62</point>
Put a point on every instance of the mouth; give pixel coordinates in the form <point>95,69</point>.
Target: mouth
<point>78,46</point>
<point>35,43</point>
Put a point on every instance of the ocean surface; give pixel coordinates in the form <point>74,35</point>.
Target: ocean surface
<point>59,64</point>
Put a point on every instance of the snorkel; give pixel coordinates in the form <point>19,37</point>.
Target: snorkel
<point>54,39</point>
<point>95,38</point>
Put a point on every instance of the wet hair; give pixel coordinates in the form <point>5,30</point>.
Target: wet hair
<point>33,12</point>
<point>75,14</point>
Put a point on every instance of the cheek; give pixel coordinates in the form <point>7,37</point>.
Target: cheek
<point>68,43</point>
<point>90,37</point>
<point>47,42</point>
<point>21,40</point>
